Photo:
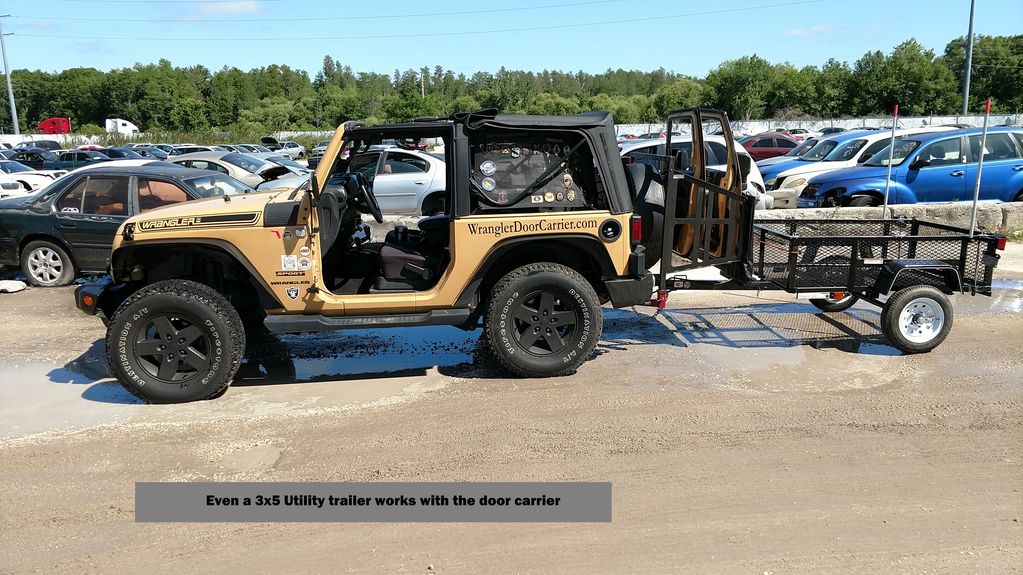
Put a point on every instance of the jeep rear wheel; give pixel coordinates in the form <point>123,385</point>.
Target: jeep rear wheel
<point>542,320</point>
<point>175,341</point>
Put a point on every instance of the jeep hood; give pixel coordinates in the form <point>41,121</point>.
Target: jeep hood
<point>251,203</point>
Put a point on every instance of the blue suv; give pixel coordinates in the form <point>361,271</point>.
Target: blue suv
<point>935,167</point>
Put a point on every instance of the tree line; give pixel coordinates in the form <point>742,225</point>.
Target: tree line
<point>162,97</point>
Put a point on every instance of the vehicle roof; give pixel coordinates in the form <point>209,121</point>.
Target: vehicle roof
<point>214,155</point>
<point>928,136</point>
<point>772,135</point>
<point>162,170</point>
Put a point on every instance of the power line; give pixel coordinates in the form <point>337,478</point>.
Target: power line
<point>424,34</point>
<point>370,17</point>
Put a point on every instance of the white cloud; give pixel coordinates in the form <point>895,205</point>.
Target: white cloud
<point>812,31</point>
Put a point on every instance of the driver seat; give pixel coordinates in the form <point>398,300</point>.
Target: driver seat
<point>411,260</point>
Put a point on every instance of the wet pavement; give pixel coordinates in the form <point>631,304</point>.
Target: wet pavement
<point>743,341</point>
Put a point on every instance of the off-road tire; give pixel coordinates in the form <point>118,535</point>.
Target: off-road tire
<point>559,295</point>
<point>36,252</point>
<point>898,331</point>
<point>180,306</point>
<point>832,306</point>
<point>861,202</point>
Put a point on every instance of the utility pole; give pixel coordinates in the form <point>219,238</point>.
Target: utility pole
<point>7,75</point>
<point>968,65</point>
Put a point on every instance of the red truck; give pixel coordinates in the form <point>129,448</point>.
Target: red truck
<point>54,126</point>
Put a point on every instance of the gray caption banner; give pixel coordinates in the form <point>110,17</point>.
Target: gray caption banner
<point>550,502</point>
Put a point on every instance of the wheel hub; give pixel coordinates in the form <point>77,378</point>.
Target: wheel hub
<point>921,320</point>
<point>543,322</point>
<point>158,355</point>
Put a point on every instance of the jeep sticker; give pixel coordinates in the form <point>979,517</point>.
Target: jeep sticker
<point>198,221</point>
<point>544,225</point>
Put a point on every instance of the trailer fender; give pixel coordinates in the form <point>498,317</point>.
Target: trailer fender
<point>940,270</point>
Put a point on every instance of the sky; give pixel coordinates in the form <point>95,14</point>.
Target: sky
<point>468,36</point>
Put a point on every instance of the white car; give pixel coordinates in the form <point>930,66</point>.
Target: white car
<point>637,149</point>
<point>846,150</point>
<point>404,181</point>
<point>17,178</point>
<point>253,171</point>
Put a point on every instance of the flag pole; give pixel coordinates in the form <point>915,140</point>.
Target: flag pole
<point>891,153</point>
<point>980,167</point>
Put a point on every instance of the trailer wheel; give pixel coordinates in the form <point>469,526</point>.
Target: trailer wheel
<point>542,320</point>
<point>916,319</point>
<point>832,304</point>
<point>175,341</point>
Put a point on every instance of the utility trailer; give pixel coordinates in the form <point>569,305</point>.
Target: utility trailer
<point>907,267</point>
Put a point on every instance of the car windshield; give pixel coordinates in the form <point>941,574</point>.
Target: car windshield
<point>846,151</point>
<point>903,148</point>
<point>287,163</point>
<point>819,152</point>
<point>126,154</point>
<point>802,148</point>
<point>323,144</point>
<point>213,185</point>
<point>261,149</point>
<point>248,163</point>
<point>13,167</point>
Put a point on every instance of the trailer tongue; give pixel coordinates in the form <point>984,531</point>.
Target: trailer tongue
<point>908,268</point>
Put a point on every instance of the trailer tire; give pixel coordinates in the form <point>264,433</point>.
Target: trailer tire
<point>205,342</point>
<point>542,320</point>
<point>832,305</point>
<point>916,319</point>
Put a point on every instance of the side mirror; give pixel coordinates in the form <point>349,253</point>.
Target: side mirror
<point>745,164</point>
<point>681,161</point>
<point>920,162</point>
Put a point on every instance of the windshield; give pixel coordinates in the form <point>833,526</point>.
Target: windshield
<point>323,144</point>
<point>214,185</point>
<point>819,152</point>
<point>903,148</point>
<point>13,167</point>
<point>261,149</point>
<point>802,148</point>
<point>846,151</point>
<point>248,163</point>
<point>287,163</point>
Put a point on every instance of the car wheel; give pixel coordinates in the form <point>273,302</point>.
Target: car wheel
<point>542,320</point>
<point>46,264</point>
<point>175,341</point>
<point>916,319</point>
<point>861,202</point>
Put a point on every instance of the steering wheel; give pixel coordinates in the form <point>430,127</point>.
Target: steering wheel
<point>365,196</point>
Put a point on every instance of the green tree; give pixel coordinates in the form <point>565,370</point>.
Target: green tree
<point>682,93</point>
<point>741,87</point>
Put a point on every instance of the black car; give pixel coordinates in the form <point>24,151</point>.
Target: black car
<point>44,144</point>
<point>35,158</point>
<point>121,154</point>
<point>67,228</point>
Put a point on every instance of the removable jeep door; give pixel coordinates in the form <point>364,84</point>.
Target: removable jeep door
<point>707,217</point>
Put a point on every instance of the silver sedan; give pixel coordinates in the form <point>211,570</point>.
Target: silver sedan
<point>254,171</point>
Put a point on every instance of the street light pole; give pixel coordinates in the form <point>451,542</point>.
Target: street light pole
<point>968,65</point>
<point>7,75</point>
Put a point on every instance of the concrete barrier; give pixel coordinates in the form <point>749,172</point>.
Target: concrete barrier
<point>990,217</point>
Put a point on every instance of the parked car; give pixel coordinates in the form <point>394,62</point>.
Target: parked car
<point>44,144</point>
<point>792,154</point>
<point>121,153</point>
<point>841,151</point>
<point>768,145</point>
<point>169,148</point>
<point>67,228</point>
<point>293,150</point>
<point>640,151</point>
<point>830,130</point>
<point>151,152</point>
<point>315,154</point>
<point>404,181</point>
<point>193,148</point>
<point>24,177</point>
<point>930,167</point>
<point>256,172</point>
<point>35,158</point>
<point>74,159</point>
<point>258,148</point>
<point>798,134</point>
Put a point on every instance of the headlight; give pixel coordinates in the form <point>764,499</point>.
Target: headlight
<point>795,183</point>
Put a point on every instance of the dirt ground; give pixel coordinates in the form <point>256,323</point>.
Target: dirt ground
<point>742,433</point>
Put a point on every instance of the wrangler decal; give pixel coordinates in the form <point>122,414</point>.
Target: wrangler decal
<point>198,221</point>
<point>544,225</point>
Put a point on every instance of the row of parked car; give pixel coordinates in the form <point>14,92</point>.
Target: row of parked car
<point>928,164</point>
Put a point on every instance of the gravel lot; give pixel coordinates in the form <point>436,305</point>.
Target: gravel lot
<point>742,432</point>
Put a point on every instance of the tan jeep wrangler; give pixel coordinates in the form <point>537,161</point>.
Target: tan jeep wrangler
<point>544,224</point>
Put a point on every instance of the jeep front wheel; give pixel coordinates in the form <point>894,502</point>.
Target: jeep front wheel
<point>542,320</point>
<point>175,341</point>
